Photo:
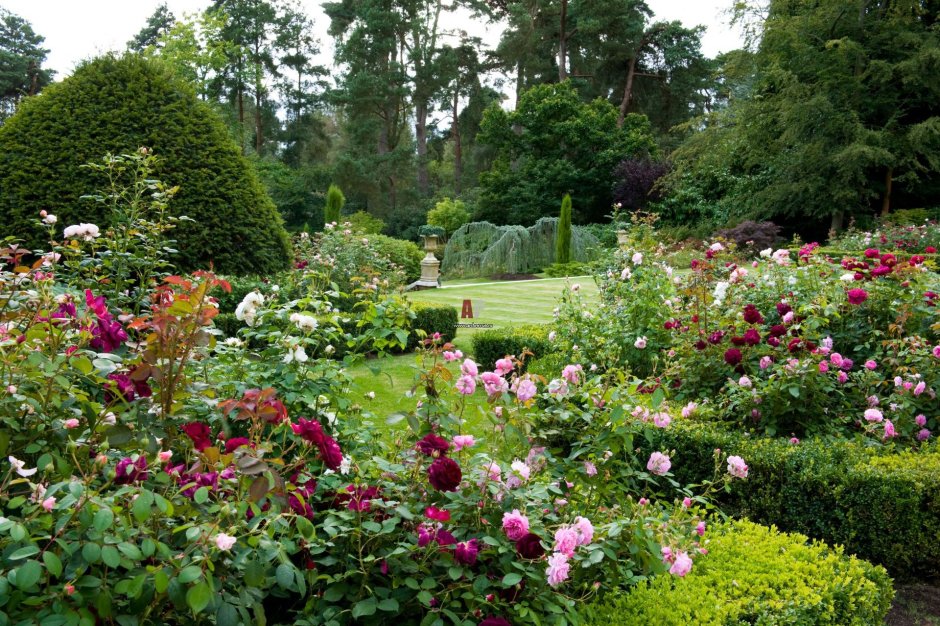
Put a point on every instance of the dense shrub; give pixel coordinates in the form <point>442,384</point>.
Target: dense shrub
<point>635,182</point>
<point>449,215</point>
<point>752,236</point>
<point>405,254</point>
<point>882,507</point>
<point>493,344</point>
<point>115,105</point>
<point>563,270</point>
<point>917,238</point>
<point>433,319</point>
<point>755,575</point>
<point>363,222</point>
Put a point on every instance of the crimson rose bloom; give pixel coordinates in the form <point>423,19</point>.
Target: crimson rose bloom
<point>495,621</point>
<point>466,552</point>
<point>752,315</point>
<point>234,443</point>
<point>733,356</point>
<point>444,474</point>
<point>312,431</point>
<point>529,546</point>
<point>857,296</point>
<point>199,433</point>
<point>433,443</point>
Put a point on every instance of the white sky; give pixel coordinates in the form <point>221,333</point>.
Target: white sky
<point>79,29</point>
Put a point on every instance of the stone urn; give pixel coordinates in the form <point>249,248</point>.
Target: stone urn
<point>622,237</point>
<point>431,243</point>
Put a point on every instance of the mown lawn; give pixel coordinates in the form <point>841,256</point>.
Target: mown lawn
<point>500,304</point>
<point>504,303</point>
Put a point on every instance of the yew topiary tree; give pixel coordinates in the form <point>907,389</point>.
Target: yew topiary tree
<point>563,237</point>
<point>335,200</point>
<point>115,105</point>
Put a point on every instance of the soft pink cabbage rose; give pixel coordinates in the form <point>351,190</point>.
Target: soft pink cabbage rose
<point>557,570</point>
<point>658,463</point>
<point>515,525</point>
<point>737,467</point>
<point>682,565</point>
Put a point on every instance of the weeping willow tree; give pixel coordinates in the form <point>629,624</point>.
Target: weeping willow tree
<point>483,249</point>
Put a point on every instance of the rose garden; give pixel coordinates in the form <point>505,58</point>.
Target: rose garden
<point>209,418</point>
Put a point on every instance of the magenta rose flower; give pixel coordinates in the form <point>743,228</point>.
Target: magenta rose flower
<point>857,296</point>
<point>465,552</point>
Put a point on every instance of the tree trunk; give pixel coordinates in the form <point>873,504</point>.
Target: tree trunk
<point>837,222</point>
<point>627,92</point>
<point>421,136</point>
<point>458,149</point>
<point>519,80</point>
<point>886,201</point>
<point>241,119</point>
<point>563,44</point>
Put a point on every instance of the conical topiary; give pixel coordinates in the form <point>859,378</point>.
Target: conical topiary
<point>116,105</point>
<point>563,237</point>
<point>334,204</point>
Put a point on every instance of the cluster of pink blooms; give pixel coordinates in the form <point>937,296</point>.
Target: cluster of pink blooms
<point>494,382</point>
<point>567,539</point>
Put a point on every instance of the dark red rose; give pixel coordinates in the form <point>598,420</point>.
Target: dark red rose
<point>733,356</point>
<point>716,337</point>
<point>199,433</point>
<point>466,552</point>
<point>444,474</point>
<point>751,337</point>
<point>433,443</point>
<point>234,443</point>
<point>700,345</point>
<point>752,315</point>
<point>495,621</point>
<point>738,340</point>
<point>778,330</point>
<point>312,431</point>
<point>783,308</point>
<point>529,546</point>
<point>773,341</point>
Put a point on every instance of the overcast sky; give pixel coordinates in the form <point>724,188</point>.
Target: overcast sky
<point>79,29</point>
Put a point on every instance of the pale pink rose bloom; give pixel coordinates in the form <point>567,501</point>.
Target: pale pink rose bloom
<point>224,542</point>
<point>590,469</point>
<point>919,389</point>
<point>873,415</point>
<point>498,411</point>
<point>504,366</point>
<point>686,502</point>
<point>871,364</point>
<point>557,570</point>
<point>745,382</point>
<point>469,368</point>
<point>920,420</point>
<point>566,540</point>
<point>658,464</point>
<point>466,385</point>
<point>765,362</point>
<point>923,435</point>
<point>700,529</point>
<point>521,469</point>
<point>640,343</point>
<point>449,356</point>
<point>571,373</point>
<point>788,317</point>
<point>463,441</point>
<point>526,390</point>
<point>889,430</point>
<point>689,409</point>
<point>794,440</point>
<point>836,359</point>
<point>662,419</point>
<point>71,423</point>
<point>165,455</point>
<point>643,501</point>
<point>908,385</point>
<point>737,467</point>
<point>585,530</point>
<point>49,503</point>
<point>873,401</point>
<point>682,565</point>
<point>515,525</point>
<point>493,383</point>
<point>842,377</point>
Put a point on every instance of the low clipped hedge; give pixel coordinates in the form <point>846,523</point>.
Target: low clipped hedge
<point>882,506</point>
<point>433,319</point>
<point>753,574</point>
<point>494,344</point>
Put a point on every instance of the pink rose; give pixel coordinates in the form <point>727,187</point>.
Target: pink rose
<point>658,464</point>
<point>682,565</point>
<point>557,570</point>
<point>526,390</point>
<point>566,540</point>
<point>463,441</point>
<point>737,467</point>
<point>515,525</point>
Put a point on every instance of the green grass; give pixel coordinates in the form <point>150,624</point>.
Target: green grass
<point>505,303</point>
<point>501,304</point>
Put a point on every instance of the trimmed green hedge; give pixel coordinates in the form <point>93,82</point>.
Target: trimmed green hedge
<point>883,507</point>
<point>755,575</point>
<point>118,104</point>
<point>494,344</point>
<point>433,319</point>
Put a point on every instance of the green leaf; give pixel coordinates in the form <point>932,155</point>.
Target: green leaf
<point>455,572</point>
<point>658,396</point>
<point>110,556</point>
<point>103,519</point>
<point>141,506</point>
<point>91,552</point>
<point>304,526</point>
<point>284,574</point>
<point>364,608</point>
<point>201,495</point>
<point>160,581</point>
<point>372,527</point>
<point>227,615</point>
<point>53,563</point>
<point>189,574</point>
<point>388,604</point>
<point>513,578</point>
<point>24,552</point>
<point>82,364</point>
<point>794,391</point>
<point>334,593</point>
<point>198,597</point>
<point>130,551</point>
<point>28,574</point>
